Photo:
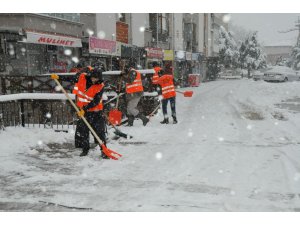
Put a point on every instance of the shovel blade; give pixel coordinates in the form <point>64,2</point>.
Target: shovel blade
<point>188,93</point>
<point>110,153</point>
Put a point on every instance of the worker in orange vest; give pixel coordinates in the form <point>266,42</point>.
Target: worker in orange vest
<point>166,82</point>
<point>157,73</point>
<point>134,92</point>
<point>89,88</point>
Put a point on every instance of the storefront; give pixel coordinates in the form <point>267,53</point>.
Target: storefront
<point>134,54</point>
<point>154,55</point>
<point>105,51</point>
<point>50,53</point>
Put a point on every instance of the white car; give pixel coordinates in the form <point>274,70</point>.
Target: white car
<point>281,74</point>
<point>259,74</point>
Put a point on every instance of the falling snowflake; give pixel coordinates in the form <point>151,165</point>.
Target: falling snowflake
<point>142,29</point>
<point>190,133</point>
<point>203,117</point>
<point>11,52</point>
<point>57,88</point>
<point>89,31</point>
<point>232,192</point>
<point>296,176</point>
<point>221,171</point>
<point>221,139</point>
<point>53,26</point>
<point>101,34</point>
<point>23,50</point>
<point>68,52</point>
<point>158,155</point>
<point>249,127</point>
<point>226,18</point>
<point>75,59</point>
<point>48,115</point>
<point>276,123</point>
<point>40,142</point>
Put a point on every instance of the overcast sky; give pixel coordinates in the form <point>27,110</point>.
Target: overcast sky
<point>268,25</point>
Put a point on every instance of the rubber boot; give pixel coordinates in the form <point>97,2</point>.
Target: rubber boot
<point>165,121</point>
<point>84,152</point>
<point>143,118</point>
<point>130,121</point>
<point>174,120</point>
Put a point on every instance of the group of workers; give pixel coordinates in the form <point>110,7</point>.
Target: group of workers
<point>89,91</point>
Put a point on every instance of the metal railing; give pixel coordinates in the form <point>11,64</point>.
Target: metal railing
<point>56,114</point>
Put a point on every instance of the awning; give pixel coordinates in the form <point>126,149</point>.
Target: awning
<point>49,39</point>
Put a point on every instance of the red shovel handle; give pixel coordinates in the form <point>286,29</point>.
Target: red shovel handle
<point>110,153</point>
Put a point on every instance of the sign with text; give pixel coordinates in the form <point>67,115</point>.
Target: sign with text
<point>168,55</point>
<point>49,39</point>
<point>103,47</point>
<point>156,53</point>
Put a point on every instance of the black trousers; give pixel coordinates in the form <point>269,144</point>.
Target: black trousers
<point>165,104</point>
<point>82,133</point>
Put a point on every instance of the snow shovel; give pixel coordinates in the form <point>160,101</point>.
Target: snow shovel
<point>114,115</point>
<point>186,93</point>
<point>110,153</point>
<point>117,131</point>
<point>153,112</point>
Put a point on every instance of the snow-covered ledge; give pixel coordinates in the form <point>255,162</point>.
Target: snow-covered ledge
<point>30,96</point>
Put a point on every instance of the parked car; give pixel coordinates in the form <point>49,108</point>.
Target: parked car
<point>281,74</point>
<point>259,74</point>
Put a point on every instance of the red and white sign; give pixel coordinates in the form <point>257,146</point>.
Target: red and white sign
<point>156,53</point>
<point>48,39</point>
<point>102,46</point>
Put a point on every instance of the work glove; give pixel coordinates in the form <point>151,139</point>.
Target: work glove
<point>104,97</point>
<point>81,113</point>
<point>54,77</point>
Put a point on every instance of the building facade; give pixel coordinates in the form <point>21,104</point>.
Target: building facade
<point>54,42</point>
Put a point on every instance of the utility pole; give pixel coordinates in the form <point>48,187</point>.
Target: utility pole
<point>156,30</point>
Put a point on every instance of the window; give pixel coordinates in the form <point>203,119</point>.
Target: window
<point>74,17</point>
<point>122,17</point>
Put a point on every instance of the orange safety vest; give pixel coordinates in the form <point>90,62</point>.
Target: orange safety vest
<point>84,96</point>
<point>136,85</point>
<point>155,76</point>
<point>167,86</point>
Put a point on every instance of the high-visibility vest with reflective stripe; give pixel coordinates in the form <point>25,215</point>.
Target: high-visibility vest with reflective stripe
<point>136,85</point>
<point>84,96</point>
<point>155,76</point>
<point>167,86</point>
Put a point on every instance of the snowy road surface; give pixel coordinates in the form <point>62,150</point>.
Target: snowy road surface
<point>236,148</point>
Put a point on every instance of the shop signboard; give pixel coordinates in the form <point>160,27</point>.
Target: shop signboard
<point>196,56</point>
<point>49,39</point>
<point>168,55</point>
<point>102,46</point>
<point>155,53</point>
<point>188,56</point>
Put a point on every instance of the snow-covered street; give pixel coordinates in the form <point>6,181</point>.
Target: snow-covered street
<point>236,148</point>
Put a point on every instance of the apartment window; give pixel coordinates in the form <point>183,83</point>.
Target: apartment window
<point>122,17</point>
